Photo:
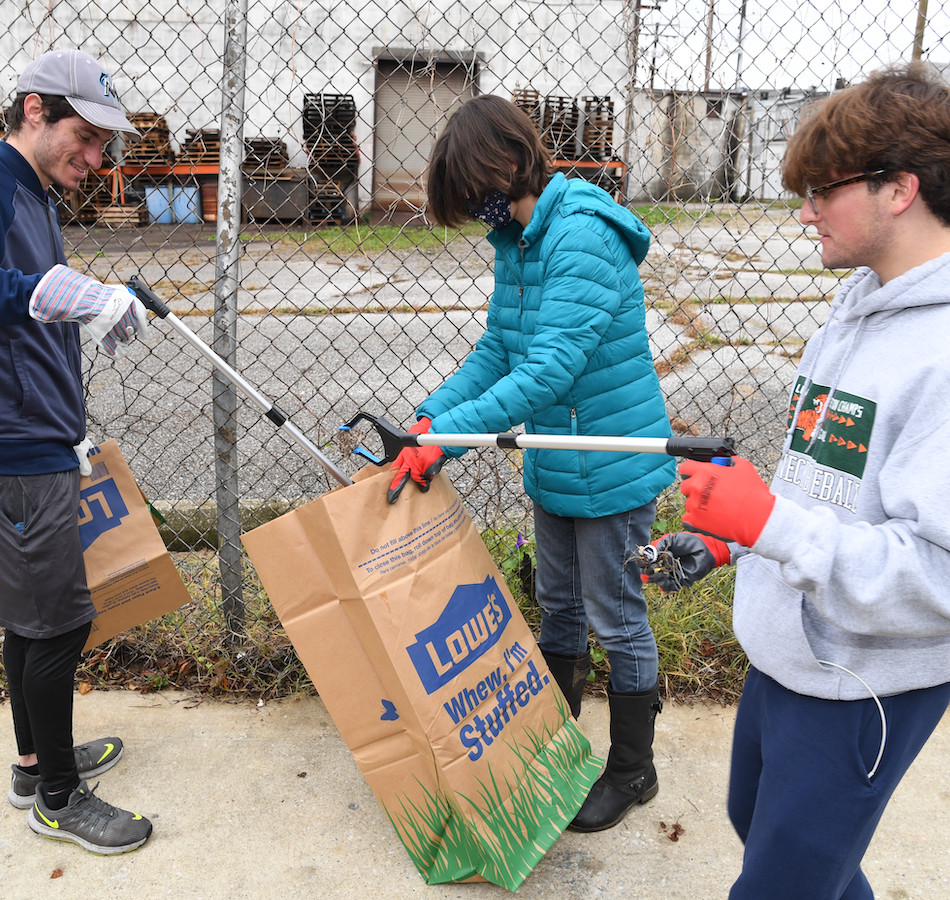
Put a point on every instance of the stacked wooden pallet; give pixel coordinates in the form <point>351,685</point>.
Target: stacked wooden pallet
<point>336,160</point>
<point>565,129</point>
<point>326,116</point>
<point>530,101</point>
<point>99,200</point>
<point>73,206</point>
<point>263,156</point>
<point>201,148</point>
<point>328,202</point>
<point>94,193</point>
<point>119,214</point>
<point>155,147</point>
<point>559,126</point>
<point>598,132</point>
<point>329,121</point>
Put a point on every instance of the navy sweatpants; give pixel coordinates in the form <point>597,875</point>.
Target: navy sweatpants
<point>799,793</point>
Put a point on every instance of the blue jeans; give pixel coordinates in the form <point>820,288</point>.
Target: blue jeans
<point>799,793</point>
<point>586,579</point>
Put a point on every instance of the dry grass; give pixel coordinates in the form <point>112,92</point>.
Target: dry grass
<point>192,649</point>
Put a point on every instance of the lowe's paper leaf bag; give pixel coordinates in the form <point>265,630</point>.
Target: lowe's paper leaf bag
<point>130,574</point>
<point>431,674</point>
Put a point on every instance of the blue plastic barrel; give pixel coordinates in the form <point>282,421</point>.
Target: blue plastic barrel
<point>186,204</point>
<point>158,202</point>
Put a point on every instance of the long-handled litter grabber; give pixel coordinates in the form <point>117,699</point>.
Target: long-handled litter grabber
<point>154,303</point>
<point>698,448</point>
<point>714,450</point>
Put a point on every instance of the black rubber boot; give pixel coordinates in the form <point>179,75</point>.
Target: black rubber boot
<point>629,777</point>
<point>570,673</point>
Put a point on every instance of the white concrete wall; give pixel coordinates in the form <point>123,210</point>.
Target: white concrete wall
<point>166,59</point>
<point>166,53</point>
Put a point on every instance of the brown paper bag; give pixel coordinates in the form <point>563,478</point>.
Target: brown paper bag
<point>431,674</point>
<point>130,575</point>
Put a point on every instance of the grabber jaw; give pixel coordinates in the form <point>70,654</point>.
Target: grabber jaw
<point>393,438</point>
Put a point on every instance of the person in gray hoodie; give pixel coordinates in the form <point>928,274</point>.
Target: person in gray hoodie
<point>842,598</point>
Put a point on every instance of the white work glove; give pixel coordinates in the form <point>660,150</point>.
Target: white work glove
<point>112,314</point>
<point>82,452</point>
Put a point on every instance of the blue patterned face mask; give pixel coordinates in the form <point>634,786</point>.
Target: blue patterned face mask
<point>495,212</point>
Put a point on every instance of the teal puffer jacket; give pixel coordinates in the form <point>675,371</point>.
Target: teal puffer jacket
<point>565,351</point>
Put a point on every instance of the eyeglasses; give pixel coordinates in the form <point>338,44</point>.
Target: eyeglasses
<point>812,193</point>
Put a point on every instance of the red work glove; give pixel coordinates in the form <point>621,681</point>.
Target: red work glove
<point>421,464</point>
<point>731,503</point>
<point>683,559</point>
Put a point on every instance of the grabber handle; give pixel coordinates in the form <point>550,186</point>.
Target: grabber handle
<point>277,416</point>
<point>702,449</point>
<point>150,300</point>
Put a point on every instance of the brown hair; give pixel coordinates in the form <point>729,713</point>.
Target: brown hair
<point>488,144</point>
<point>898,120</point>
<point>54,109</point>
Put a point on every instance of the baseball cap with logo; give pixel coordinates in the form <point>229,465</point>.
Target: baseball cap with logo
<point>81,79</point>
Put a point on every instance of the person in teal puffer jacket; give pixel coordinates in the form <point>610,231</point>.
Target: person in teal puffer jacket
<point>565,351</point>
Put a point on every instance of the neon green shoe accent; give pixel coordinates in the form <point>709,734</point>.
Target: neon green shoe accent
<point>90,822</point>
<point>53,823</point>
<point>109,749</point>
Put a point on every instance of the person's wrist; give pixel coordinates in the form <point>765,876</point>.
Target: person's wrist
<point>759,510</point>
<point>720,551</point>
<point>61,294</point>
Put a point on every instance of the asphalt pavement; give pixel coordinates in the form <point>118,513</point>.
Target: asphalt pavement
<point>253,800</point>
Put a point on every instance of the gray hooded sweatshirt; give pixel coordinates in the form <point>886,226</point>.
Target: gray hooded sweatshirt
<point>852,570</point>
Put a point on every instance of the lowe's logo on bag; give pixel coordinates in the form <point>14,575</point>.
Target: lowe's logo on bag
<point>471,623</point>
<point>101,508</point>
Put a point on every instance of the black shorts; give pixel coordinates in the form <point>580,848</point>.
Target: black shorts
<point>43,591</point>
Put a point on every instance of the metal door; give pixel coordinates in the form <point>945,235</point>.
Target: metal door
<point>412,98</point>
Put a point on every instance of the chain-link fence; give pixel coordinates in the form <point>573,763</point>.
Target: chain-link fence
<point>277,203</point>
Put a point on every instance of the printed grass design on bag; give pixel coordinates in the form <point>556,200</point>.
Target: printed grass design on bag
<point>546,789</point>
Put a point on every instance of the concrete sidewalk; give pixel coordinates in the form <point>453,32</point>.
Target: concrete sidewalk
<point>256,801</point>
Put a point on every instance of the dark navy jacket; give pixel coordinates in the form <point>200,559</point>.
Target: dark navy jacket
<point>42,410</point>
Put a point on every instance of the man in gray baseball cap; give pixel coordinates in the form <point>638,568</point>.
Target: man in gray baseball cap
<point>64,112</point>
<point>84,83</point>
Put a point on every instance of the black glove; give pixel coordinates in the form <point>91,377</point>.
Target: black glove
<point>682,559</point>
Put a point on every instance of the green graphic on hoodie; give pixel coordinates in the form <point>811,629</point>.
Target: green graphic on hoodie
<point>840,427</point>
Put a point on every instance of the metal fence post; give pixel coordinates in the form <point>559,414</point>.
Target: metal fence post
<point>227,277</point>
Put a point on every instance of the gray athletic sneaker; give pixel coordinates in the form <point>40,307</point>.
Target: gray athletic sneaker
<point>90,822</point>
<point>92,759</point>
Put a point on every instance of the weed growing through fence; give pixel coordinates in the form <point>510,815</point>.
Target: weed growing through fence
<point>190,649</point>
<point>699,656</point>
